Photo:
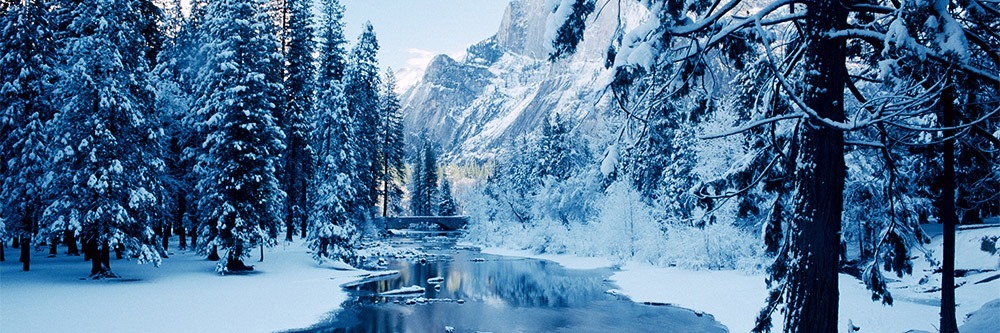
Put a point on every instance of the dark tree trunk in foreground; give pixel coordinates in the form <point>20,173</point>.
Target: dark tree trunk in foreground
<point>71,246</point>
<point>25,253</point>
<point>949,218</point>
<point>3,245</point>
<point>814,238</point>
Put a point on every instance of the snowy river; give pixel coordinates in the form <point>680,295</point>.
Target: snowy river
<point>459,289</point>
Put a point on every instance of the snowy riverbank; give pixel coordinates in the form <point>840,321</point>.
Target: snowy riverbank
<point>185,294</point>
<point>735,298</point>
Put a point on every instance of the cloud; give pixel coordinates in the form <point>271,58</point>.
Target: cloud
<point>416,65</point>
<point>414,69</point>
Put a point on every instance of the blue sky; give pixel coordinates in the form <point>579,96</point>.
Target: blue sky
<point>411,32</point>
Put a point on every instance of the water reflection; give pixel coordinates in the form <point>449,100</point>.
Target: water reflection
<point>483,293</point>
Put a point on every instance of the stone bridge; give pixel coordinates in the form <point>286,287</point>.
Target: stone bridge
<point>403,222</point>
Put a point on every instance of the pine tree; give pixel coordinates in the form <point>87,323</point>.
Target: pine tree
<point>428,182</point>
<point>299,73</point>
<point>172,106</point>
<point>27,58</point>
<point>332,232</point>
<point>362,85</point>
<point>446,206</point>
<point>106,171</point>
<point>239,89</point>
<point>391,146</point>
<point>416,187</point>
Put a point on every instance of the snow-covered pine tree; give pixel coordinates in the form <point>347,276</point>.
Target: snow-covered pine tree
<point>391,146</point>
<point>946,50</point>
<point>173,103</point>
<point>361,86</point>
<point>106,172</point>
<point>297,118</point>
<point>415,187</point>
<point>447,205</point>
<point>27,60</point>
<point>428,182</point>
<point>332,232</point>
<point>191,58</point>
<point>239,89</point>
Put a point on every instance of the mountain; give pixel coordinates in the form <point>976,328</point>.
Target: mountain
<point>505,86</point>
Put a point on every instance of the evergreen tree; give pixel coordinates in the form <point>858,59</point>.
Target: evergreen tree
<point>106,172</point>
<point>447,205</point>
<point>428,182</point>
<point>391,146</point>
<point>424,183</point>
<point>415,186</point>
<point>332,231</point>
<point>361,86</point>
<point>297,118</point>
<point>27,59</point>
<point>173,103</point>
<point>239,89</point>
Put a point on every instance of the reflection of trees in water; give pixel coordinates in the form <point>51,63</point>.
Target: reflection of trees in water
<point>528,283</point>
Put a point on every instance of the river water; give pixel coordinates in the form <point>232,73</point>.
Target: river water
<point>468,291</point>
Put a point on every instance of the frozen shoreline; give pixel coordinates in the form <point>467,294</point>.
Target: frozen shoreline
<point>735,298</point>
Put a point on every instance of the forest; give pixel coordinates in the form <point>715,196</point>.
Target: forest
<point>802,140</point>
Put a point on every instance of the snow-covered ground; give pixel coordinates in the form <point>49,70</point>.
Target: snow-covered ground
<point>735,298</point>
<point>288,290</point>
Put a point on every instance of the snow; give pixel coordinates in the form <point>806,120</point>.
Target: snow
<point>404,291</point>
<point>288,290</point>
<point>566,260</point>
<point>735,297</point>
<point>986,319</point>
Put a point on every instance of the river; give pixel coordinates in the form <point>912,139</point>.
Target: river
<point>464,290</point>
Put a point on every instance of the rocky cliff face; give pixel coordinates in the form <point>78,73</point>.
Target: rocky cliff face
<point>505,87</point>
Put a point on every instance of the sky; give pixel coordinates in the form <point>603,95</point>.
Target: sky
<point>412,32</point>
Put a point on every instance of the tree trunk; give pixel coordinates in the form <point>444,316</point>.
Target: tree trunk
<point>25,253</point>
<point>53,246</point>
<point>16,243</point>
<point>118,251</point>
<point>814,236</point>
<point>194,238</point>
<point>72,248</point>
<point>949,217</point>
<point>3,245</point>
<point>100,261</point>
<point>165,234</point>
<point>179,220</point>
<point>182,238</point>
<point>89,250</point>
<point>234,261</point>
<point>214,254</point>
<point>106,256</point>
